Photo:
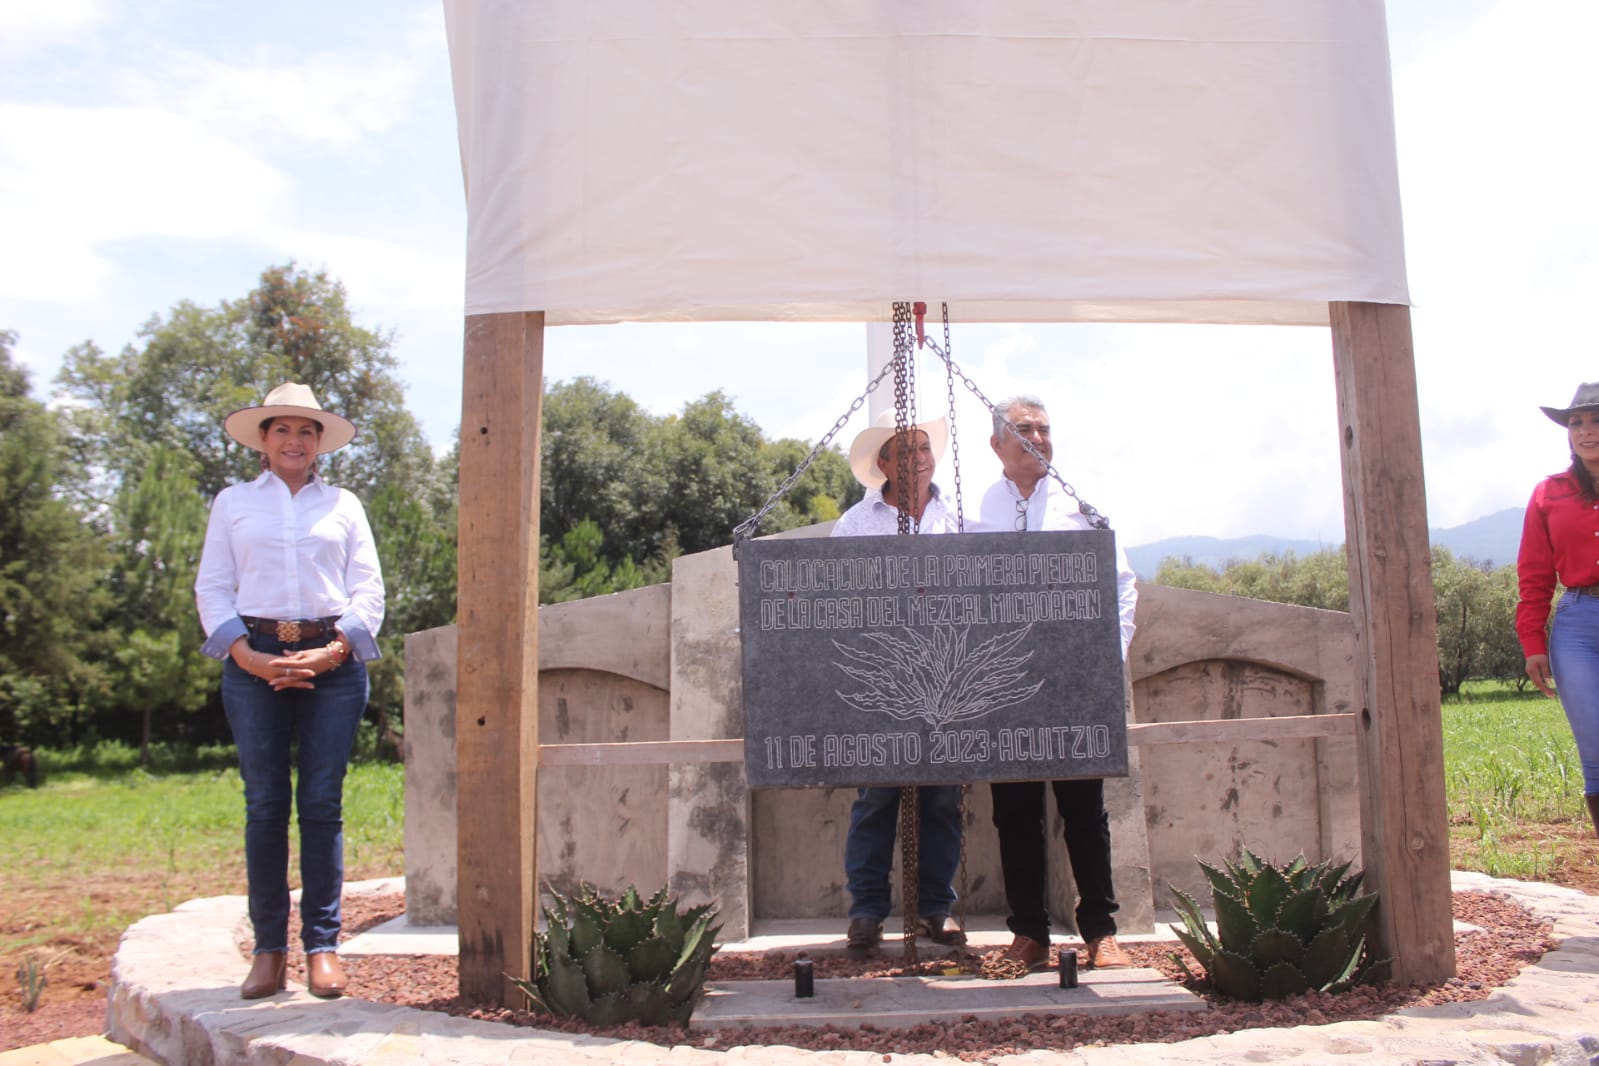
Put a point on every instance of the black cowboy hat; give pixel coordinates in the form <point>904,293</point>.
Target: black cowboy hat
<point>1586,399</point>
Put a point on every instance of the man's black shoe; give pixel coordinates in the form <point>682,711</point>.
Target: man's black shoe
<point>942,929</point>
<point>864,935</point>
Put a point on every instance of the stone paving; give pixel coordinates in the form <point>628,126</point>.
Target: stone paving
<point>174,998</point>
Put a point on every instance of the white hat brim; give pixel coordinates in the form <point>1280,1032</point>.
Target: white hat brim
<point>244,425</point>
<point>869,442</point>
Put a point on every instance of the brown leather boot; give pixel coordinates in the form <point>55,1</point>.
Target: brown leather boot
<point>1105,954</point>
<point>269,973</point>
<point>324,976</point>
<point>1593,811</point>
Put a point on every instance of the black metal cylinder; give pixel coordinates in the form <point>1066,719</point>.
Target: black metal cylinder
<point>1068,968</point>
<point>804,979</point>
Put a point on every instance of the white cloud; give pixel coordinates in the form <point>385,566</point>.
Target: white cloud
<point>75,180</point>
<point>29,24</point>
<point>1501,230</point>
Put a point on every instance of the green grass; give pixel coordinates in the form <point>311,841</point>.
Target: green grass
<point>1510,765</point>
<point>104,842</point>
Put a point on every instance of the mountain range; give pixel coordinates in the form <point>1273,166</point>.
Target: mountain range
<point>1492,539</point>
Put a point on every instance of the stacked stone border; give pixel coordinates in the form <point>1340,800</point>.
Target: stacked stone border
<point>174,997</point>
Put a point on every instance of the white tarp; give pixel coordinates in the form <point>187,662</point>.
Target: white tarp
<point>1026,160</point>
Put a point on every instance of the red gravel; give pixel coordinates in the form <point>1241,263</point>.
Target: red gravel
<point>1510,938</point>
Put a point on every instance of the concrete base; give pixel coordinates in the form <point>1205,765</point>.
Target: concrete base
<point>174,998</point>
<point>906,1001</point>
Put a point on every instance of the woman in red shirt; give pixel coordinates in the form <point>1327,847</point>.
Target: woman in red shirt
<point>1560,544</point>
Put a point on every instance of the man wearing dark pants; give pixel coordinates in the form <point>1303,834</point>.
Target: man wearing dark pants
<point>1024,499</point>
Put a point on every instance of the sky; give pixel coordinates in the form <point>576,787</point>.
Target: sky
<point>171,150</point>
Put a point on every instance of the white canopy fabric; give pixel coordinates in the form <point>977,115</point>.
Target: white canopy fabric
<point>1026,160</point>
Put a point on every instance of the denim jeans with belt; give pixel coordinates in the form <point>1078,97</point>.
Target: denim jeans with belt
<point>869,849</point>
<point>1574,660</point>
<point>320,723</point>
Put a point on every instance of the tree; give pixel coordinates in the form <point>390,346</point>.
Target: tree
<point>1320,579</point>
<point>159,528</point>
<point>653,487</point>
<point>1476,621</point>
<point>707,462</point>
<point>1475,604</point>
<point>199,364</point>
<point>826,490</point>
<point>592,463</point>
<point>50,569</point>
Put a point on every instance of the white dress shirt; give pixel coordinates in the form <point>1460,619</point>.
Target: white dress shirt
<point>271,553</point>
<point>875,517</point>
<point>1051,508</point>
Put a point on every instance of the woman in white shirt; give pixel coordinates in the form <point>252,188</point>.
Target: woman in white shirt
<point>291,597</point>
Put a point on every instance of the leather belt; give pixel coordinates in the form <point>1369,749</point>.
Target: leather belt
<point>293,630</point>
<point>1586,590</point>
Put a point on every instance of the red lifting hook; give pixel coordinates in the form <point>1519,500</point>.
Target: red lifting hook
<point>919,309</point>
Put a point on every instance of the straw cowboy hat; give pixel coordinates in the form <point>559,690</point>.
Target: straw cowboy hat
<point>1586,399</point>
<point>289,400</point>
<point>869,441</point>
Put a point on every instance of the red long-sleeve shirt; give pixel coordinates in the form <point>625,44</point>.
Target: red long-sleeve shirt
<point>1559,542</point>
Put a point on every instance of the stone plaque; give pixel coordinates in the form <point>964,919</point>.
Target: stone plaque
<point>914,660</point>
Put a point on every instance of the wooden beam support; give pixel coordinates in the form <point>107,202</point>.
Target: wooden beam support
<point>686,752</point>
<point>1241,730</point>
<point>496,706</point>
<point>1403,808</point>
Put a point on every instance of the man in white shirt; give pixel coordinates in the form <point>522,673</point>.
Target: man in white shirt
<point>897,470</point>
<point>1026,499</point>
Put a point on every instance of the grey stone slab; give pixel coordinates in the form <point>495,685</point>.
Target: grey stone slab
<point>925,660</point>
<point>906,1001</point>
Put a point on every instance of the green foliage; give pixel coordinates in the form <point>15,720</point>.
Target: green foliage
<point>156,533</point>
<point>1281,930</point>
<point>655,487</point>
<point>31,981</point>
<point>1476,609</point>
<point>610,961</point>
<point>1475,605</point>
<point>575,569</point>
<point>51,567</point>
<point>1320,579</point>
<point>1512,773</point>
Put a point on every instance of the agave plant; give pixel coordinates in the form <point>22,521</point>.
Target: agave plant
<point>1281,930</point>
<point>610,961</point>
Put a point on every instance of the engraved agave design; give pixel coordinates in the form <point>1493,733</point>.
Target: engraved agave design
<point>936,676</point>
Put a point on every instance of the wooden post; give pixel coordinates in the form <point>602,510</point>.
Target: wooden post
<point>496,708</point>
<point>1403,810</point>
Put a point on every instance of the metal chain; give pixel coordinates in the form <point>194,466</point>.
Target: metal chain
<point>910,862</point>
<point>954,438</point>
<point>904,407</point>
<point>905,488</point>
<point>747,528</point>
<point>1088,510</point>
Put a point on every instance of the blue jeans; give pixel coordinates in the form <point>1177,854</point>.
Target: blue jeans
<point>1574,660</point>
<point>869,849</point>
<point>321,723</point>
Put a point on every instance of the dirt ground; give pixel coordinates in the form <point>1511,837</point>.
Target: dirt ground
<point>78,968</point>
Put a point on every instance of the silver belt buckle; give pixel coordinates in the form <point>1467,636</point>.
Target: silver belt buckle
<point>288,632</point>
